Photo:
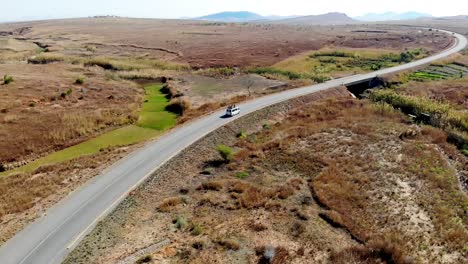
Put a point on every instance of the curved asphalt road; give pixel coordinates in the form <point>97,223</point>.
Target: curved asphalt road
<point>49,239</point>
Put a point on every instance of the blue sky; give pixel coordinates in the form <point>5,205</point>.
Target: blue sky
<point>36,9</point>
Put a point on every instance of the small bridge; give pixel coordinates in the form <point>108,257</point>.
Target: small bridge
<point>359,87</point>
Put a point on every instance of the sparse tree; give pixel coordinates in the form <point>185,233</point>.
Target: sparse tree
<point>248,83</point>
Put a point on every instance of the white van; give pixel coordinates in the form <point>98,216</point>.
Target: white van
<point>232,110</point>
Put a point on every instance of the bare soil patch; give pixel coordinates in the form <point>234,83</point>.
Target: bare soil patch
<point>203,89</point>
<point>205,44</point>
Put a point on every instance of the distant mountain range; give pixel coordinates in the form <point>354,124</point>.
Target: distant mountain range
<point>463,17</point>
<point>324,19</point>
<point>245,16</point>
<point>240,16</point>
<point>392,16</point>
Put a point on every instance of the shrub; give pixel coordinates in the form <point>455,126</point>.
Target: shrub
<point>197,230</point>
<point>198,245</point>
<point>335,53</point>
<point>90,48</point>
<point>406,56</point>
<point>241,135</point>
<point>225,152</point>
<point>285,191</point>
<point>170,91</point>
<point>32,104</point>
<point>179,107</point>
<point>239,187</point>
<point>258,226</point>
<point>144,259</point>
<point>226,71</point>
<point>252,198</point>
<point>242,175</point>
<point>181,222</point>
<point>210,186</point>
<point>229,244</point>
<point>165,89</point>
<point>69,91</point>
<point>80,80</point>
<point>7,79</point>
<point>268,70</point>
<point>169,203</point>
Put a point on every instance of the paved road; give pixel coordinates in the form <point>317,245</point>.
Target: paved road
<point>49,239</point>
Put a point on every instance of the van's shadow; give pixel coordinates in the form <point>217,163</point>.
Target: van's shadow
<point>225,116</point>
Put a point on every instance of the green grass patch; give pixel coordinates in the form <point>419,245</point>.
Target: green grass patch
<point>153,114</point>
<point>153,120</point>
<point>127,135</point>
<point>422,75</point>
<point>321,65</point>
<point>439,72</point>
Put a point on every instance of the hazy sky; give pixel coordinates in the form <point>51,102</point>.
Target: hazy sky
<point>34,9</point>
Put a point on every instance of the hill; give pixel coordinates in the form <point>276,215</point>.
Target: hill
<point>461,17</point>
<point>392,16</point>
<point>240,16</point>
<point>325,19</point>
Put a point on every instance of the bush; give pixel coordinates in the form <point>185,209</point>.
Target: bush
<point>170,92</point>
<point>229,244</point>
<point>181,222</point>
<point>242,175</point>
<point>335,53</point>
<point>225,152</point>
<point>285,191</point>
<point>197,230</point>
<point>268,70</point>
<point>442,115</point>
<point>226,71</point>
<point>406,56</point>
<point>7,79</point>
<point>144,259</point>
<point>241,135</point>
<point>210,186</point>
<point>80,80</point>
<point>169,203</point>
<point>179,107</point>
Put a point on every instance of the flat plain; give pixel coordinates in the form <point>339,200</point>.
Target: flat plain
<point>79,94</point>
